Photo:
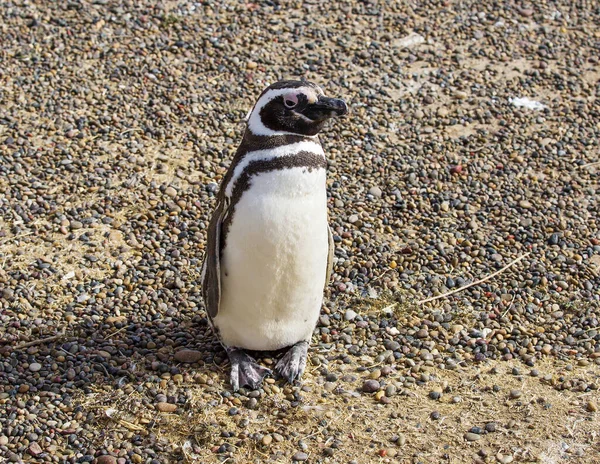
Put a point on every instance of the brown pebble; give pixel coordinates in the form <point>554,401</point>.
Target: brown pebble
<point>166,407</point>
<point>106,459</point>
<point>370,386</point>
<point>525,12</point>
<point>34,449</point>
<point>188,356</point>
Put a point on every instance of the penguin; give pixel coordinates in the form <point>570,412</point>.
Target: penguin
<point>269,246</point>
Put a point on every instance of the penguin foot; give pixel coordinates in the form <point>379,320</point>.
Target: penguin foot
<point>245,371</point>
<point>292,364</point>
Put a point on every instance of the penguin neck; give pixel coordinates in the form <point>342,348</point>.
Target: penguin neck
<point>252,142</point>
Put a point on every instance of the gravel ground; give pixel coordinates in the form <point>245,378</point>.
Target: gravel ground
<point>117,121</point>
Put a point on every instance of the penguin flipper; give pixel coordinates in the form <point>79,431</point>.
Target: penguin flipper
<point>329,256</point>
<point>211,267</point>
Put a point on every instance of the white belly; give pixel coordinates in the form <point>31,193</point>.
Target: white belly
<point>274,262</point>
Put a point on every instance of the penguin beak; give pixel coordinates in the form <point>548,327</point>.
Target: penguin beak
<point>325,108</point>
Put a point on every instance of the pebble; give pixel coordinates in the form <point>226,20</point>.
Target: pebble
<point>170,191</point>
<point>166,407</point>
<point>376,192</point>
<point>300,457</point>
<point>490,427</point>
<point>435,395</point>
<point>188,356</point>
<point>401,441</point>
<point>370,386</point>
<point>106,459</point>
<point>35,367</point>
<point>350,315</point>
<point>515,394</point>
<point>470,436</point>
<point>504,459</point>
<point>591,406</point>
<point>35,449</point>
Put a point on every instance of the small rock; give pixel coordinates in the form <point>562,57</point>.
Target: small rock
<point>170,191</point>
<point>252,403</point>
<point>106,459</point>
<point>267,440</point>
<point>166,407</point>
<point>514,394</point>
<point>525,12</point>
<point>299,457</point>
<point>188,356</point>
<point>490,427</point>
<point>370,386</point>
<point>375,374</point>
<point>34,367</point>
<point>470,436</point>
<point>3,440</point>
<point>376,192</point>
<point>504,459</point>
<point>435,395</point>
<point>460,95</point>
<point>525,204</point>
<point>391,453</point>
<point>591,406</point>
<point>390,390</point>
<point>34,449</point>
<point>350,315</point>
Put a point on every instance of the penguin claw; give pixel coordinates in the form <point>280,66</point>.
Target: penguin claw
<point>245,371</point>
<point>291,366</point>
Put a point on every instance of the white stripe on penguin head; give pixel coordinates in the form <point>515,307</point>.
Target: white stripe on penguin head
<point>255,124</point>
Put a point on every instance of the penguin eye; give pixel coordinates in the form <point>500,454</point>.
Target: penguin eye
<point>290,100</point>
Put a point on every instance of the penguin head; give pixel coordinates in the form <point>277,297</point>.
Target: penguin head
<point>293,107</point>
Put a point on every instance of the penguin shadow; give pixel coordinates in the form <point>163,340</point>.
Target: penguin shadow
<point>84,355</point>
<point>92,354</point>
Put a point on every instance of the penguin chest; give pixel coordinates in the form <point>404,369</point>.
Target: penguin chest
<point>274,261</point>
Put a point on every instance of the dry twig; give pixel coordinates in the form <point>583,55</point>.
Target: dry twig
<point>477,282</point>
<point>40,341</point>
<point>595,163</point>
